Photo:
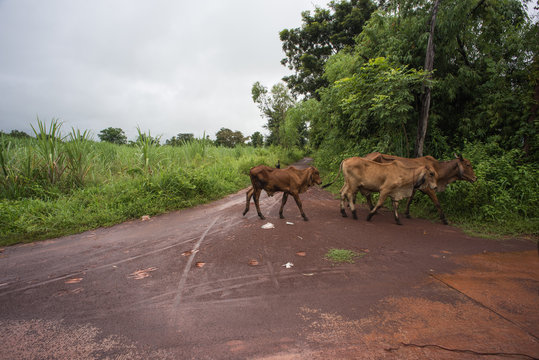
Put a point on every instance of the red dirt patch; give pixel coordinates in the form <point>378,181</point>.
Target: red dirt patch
<point>419,328</point>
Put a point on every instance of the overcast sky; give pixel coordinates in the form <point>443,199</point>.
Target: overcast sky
<point>168,66</point>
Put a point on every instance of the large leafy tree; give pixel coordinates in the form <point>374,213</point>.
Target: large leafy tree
<point>180,139</point>
<point>113,135</point>
<point>323,33</point>
<point>482,65</point>
<point>274,105</point>
<point>229,138</point>
<point>371,109</point>
<point>257,139</point>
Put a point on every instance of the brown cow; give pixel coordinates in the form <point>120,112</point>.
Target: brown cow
<point>394,179</point>
<point>290,181</point>
<point>447,171</point>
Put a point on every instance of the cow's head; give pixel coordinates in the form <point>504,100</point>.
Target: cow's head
<point>465,169</point>
<point>427,178</point>
<point>314,177</point>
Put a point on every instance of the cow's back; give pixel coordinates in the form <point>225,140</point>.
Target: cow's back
<point>408,162</point>
<point>372,175</point>
<point>270,179</point>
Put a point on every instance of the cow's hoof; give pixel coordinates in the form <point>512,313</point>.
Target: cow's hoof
<point>369,217</point>
<point>281,216</point>
<point>398,222</point>
<point>262,217</point>
<point>354,215</point>
<point>344,214</point>
<point>408,216</point>
<point>305,218</point>
<point>444,221</point>
<point>245,212</point>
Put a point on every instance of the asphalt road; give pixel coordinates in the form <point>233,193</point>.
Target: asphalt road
<point>207,283</point>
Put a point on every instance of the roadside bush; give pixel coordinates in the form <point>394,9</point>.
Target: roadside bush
<point>504,199</point>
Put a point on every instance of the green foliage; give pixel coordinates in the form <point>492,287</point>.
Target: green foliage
<point>371,109</point>
<point>505,196</point>
<point>78,150</point>
<point>180,139</point>
<point>273,105</point>
<point>104,183</point>
<point>322,34</point>
<point>48,150</point>
<point>113,135</point>
<point>229,138</point>
<point>257,139</point>
<point>339,256</point>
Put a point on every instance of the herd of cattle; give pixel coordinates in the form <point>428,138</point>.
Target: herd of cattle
<point>391,176</point>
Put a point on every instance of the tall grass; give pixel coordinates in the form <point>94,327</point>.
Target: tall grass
<point>54,185</point>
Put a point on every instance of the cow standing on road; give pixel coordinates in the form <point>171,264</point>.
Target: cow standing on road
<point>394,179</point>
<point>447,172</point>
<point>289,181</point>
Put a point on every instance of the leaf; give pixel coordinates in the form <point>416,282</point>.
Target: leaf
<point>200,264</point>
<point>253,262</point>
<point>301,253</point>
<point>73,281</point>
<point>141,274</point>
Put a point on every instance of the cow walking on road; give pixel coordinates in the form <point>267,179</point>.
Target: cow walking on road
<point>447,172</point>
<point>394,179</point>
<point>289,181</point>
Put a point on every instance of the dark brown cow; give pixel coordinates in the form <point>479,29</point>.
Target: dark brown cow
<point>447,171</point>
<point>289,181</point>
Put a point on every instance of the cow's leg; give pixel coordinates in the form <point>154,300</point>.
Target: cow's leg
<point>352,202</point>
<point>256,196</point>
<point>432,194</point>
<point>285,197</point>
<point>368,196</point>
<point>298,202</point>
<point>381,199</point>
<point>249,195</point>
<point>407,212</point>
<point>343,200</point>
<point>396,211</point>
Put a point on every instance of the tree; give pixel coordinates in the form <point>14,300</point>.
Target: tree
<point>113,135</point>
<point>18,134</point>
<point>483,61</point>
<point>229,138</point>
<point>257,139</point>
<point>273,106</point>
<point>322,34</point>
<point>180,139</point>
<point>370,110</point>
<point>425,88</point>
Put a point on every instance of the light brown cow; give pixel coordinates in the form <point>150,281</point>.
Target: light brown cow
<point>447,172</point>
<point>289,181</point>
<point>393,179</point>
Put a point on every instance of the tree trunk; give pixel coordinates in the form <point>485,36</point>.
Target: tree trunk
<point>425,88</point>
<point>535,105</point>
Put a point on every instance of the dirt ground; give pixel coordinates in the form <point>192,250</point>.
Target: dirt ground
<point>207,283</point>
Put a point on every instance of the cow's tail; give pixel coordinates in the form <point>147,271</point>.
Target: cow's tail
<point>336,177</point>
